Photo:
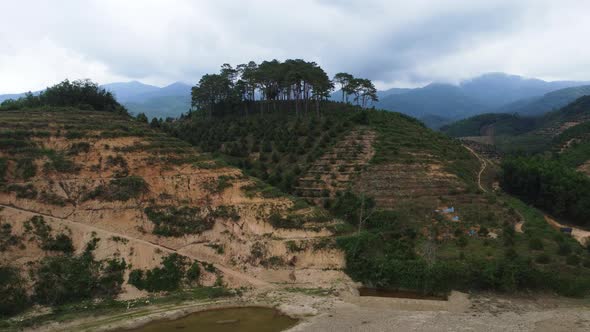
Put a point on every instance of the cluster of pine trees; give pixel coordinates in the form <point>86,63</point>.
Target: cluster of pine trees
<point>294,85</point>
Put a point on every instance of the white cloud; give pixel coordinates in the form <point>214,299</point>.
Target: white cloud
<point>393,42</point>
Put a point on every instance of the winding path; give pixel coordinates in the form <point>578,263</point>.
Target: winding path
<point>484,164</point>
<point>226,270</point>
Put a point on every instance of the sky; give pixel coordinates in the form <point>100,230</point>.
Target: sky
<point>394,43</point>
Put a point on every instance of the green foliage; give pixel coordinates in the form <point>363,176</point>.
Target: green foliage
<point>173,221</point>
<point>81,93</point>
<point>226,212</point>
<point>279,84</point>
<point>348,206</point>
<point>535,244</point>
<point>51,198</point>
<point>573,260</point>
<point>25,168</point>
<point>71,278</point>
<point>193,274</point>
<point>119,189</point>
<point>27,191</point>
<point>59,163</point>
<point>218,185</point>
<point>168,277</point>
<point>3,169</point>
<point>78,148</point>
<point>42,233</point>
<point>549,185</point>
<point>13,293</point>
<point>7,239</point>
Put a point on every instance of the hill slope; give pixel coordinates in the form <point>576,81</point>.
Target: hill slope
<point>549,102</point>
<point>78,177</point>
<point>409,196</point>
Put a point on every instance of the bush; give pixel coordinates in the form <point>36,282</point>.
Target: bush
<point>564,248</point>
<point>543,259</point>
<point>173,221</point>
<point>27,191</point>
<point>120,189</point>
<point>573,260</point>
<point>193,274</point>
<point>535,244</point>
<point>168,277</point>
<point>71,278</point>
<point>42,232</point>
<point>7,239</point>
<point>13,294</point>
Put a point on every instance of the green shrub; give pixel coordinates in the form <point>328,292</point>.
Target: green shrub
<point>27,191</point>
<point>168,277</point>
<point>59,163</point>
<point>77,148</point>
<point>173,221</point>
<point>13,293</point>
<point>7,239</point>
<point>535,244</point>
<point>573,260</point>
<point>564,248</point>
<point>543,259</point>
<point>72,278</point>
<point>42,232</point>
<point>119,189</point>
<point>193,274</point>
<point>26,168</point>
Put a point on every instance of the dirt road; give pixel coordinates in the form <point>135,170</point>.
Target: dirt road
<point>105,233</point>
<point>582,236</point>
<point>484,164</point>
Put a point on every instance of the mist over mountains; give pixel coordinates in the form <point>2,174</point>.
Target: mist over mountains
<point>435,104</point>
<point>438,103</point>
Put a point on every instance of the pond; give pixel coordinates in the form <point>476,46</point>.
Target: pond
<point>242,319</point>
<point>381,292</point>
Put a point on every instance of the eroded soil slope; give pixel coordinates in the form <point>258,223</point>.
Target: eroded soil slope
<point>145,194</point>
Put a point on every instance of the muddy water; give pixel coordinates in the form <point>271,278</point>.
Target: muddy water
<point>246,319</point>
<point>380,292</point>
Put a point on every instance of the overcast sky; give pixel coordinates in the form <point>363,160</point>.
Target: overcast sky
<point>395,43</point>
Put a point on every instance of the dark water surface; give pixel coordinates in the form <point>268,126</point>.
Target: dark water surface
<point>245,319</point>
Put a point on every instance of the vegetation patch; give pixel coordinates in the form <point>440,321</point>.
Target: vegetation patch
<point>7,238</point>
<point>42,232</point>
<point>174,271</point>
<point>119,189</point>
<point>27,191</point>
<point>173,221</point>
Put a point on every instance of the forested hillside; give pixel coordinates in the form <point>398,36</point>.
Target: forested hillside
<point>392,181</point>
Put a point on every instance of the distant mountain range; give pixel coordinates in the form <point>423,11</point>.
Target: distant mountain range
<point>436,104</point>
<point>169,101</point>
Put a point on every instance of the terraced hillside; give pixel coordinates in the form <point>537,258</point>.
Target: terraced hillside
<point>72,177</point>
<point>513,133</point>
<point>338,169</point>
<point>410,197</point>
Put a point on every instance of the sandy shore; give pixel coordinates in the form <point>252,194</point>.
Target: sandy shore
<point>345,311</point>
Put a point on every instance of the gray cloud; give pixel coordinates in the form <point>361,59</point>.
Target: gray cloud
<point>394,42</point>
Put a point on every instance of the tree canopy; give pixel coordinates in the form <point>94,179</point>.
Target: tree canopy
<point>292,85</point>
<point>80,93</point>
